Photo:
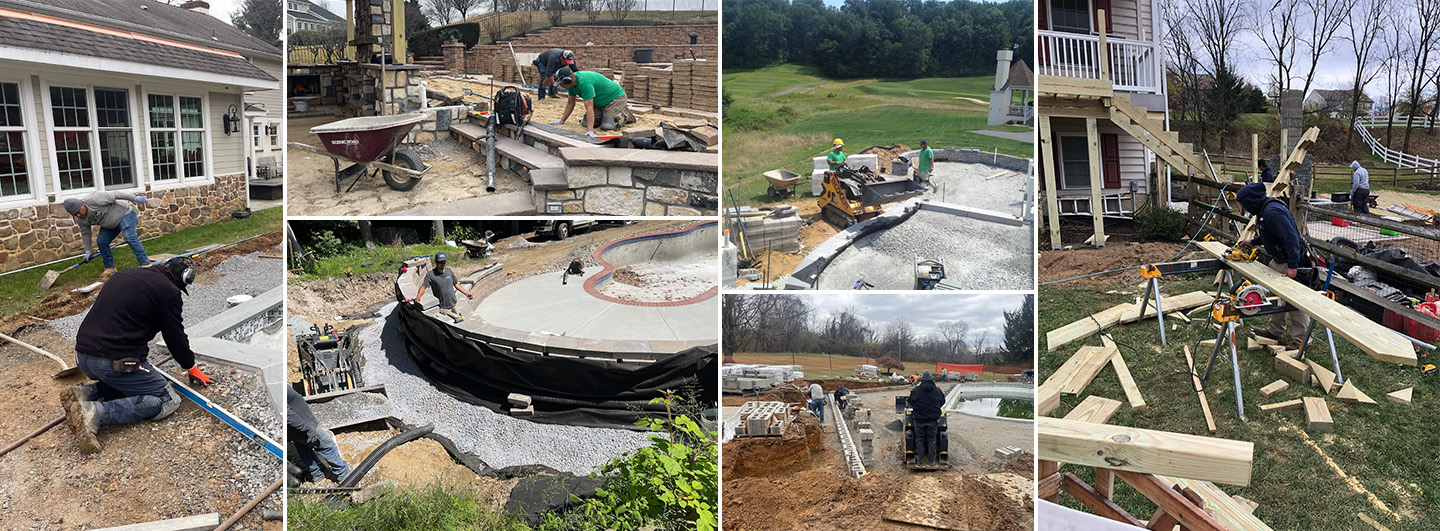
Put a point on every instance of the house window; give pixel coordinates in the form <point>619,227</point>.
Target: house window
<point>274,131</point>
<point>1075,161</point>
<point>112,112</point>
<point>255,135</point>
<point>1070,15</point>
<point>87,135</point>
<point>14,165</point>
<point>70,112</point>
<point>177,137</point>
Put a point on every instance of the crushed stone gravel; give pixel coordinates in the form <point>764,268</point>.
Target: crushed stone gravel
<point>964,184</point>
<point>977,254</point>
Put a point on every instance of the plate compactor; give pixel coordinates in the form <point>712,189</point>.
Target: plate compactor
<point>329,360</point>
<point>942,445</point>
<point>852,195</point>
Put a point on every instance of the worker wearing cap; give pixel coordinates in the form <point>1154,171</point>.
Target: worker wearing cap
<point>548,63</point>
<point>112,348</point>
<point>116,215</point>
<point>1359,188</point>
<point>836,156</point>
<point>817,401</point>
<point>316,452</point>
<point>925,402</point>
<point>925,165</point>
<point>1287,249</point>
<point>599,94</point>
<point>443,280</point>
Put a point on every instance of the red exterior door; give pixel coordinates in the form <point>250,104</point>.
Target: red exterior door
<point>1097,5</point>
<point>1110,159</point>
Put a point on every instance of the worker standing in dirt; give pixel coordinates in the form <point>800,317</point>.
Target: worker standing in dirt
<point>925,166</point>
<point>817,401</point>
<point>576,268</point>
<point>926,400</point>
<point>443,280</point>
<point>1287,250</point>
<point>112,348</point>
<point>599,93</point>
<point>836,157</point>
<point>1267,175</point>
<point>1359,188</point>
<point>548,63</point>
<point>116,215</point>
<point>316,452</point>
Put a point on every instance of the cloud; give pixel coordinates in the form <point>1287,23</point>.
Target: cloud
<point>925,311</point>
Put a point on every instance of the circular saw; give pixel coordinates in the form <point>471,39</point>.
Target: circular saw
<point>1249,298</point>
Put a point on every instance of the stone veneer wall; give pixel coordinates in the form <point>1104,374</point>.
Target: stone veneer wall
<point>609,45</point>
<point>626,191</point>
<point>39,234</point>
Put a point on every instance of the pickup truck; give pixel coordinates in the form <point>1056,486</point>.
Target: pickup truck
<point>562,228</point>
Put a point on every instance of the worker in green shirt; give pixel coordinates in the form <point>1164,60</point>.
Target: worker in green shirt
<point>926,165</point>
<point>597,91</point>
<point>836,157</point>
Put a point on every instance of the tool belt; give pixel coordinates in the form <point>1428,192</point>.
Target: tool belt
<point>126,365</point>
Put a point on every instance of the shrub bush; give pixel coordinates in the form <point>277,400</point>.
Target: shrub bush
<point>1161,223</point>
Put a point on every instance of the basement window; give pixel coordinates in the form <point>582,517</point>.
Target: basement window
<point>1075,161</point>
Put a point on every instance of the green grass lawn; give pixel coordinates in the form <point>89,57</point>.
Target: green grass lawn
<point>1387,447</point>
<point>359,260</point>
<point>764,134</point>
<point>18,291</point>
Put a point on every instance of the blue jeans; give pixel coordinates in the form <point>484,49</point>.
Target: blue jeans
<point>127,227</point>
<point>319,453</point>
<point>553,89</point>
<point>817,406</point>
<point>927,442</point>
<point>125,397</point>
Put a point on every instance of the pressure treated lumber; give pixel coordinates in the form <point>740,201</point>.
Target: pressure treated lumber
<point>1282,406</point>
<point>1122,371</point>
<point>1048,488</point>
<point>1145,451</point>
<point>1096,409</point>
<point>1381,343</point>
<point>1121,314</point>
<point>1077,372</point>
<point>1322,377</point>
<point>1351,394</point>
<point>1274,387</point>
<point>1185,511</point>
<point>1230,512</point>
<point>1097,502</point>
<point>1402,396</point>
<point>1317,414</point>
<point>1047,398</point>
<point>1293,369</point>
<point>1199,390</point>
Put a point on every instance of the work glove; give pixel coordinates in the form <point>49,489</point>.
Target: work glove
<point>88,256</point>
<point>141,199</point>
<point>558,122</point>
<point>590,134</point>
<point>196,375</point>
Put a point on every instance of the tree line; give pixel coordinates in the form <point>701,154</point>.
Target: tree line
<point>790,323</point>
<point>877,38</point>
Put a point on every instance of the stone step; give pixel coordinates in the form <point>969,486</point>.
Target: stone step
<point>552,137</point>
<point>545,171</point>
<point>506,204</point>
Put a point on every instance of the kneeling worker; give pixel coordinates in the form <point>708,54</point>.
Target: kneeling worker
<point>926,400</point>
<point>113,344</point>
<point>600,94</point>
<point>316,451</point>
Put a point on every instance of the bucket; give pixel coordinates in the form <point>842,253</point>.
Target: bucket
<point>302,106</point>
<point>644,55</point>
<point>1418,331</point>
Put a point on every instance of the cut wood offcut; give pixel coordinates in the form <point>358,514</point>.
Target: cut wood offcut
<point>1145,451</point>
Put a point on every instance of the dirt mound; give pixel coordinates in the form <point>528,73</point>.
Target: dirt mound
<point>959,502</point>
<point>627,275</point>
<point>1057,265</point>
<point>773,456</point>
<point>1024,466</point>
<point>886,155</point>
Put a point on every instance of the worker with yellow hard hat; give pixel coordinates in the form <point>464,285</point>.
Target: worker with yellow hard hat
<point>836,157</point>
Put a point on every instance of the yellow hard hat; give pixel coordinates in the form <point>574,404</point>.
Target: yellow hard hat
<point>838,142</point>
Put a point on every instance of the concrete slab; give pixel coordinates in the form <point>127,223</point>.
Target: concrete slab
<point>506,204</point>
<point>203,522</point>
<point>641,158</point>
<point>542,304</point>
<point>1018,136</point>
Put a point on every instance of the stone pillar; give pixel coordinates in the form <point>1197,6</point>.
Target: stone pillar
<point>1291,111</point>
<point>454,57</point>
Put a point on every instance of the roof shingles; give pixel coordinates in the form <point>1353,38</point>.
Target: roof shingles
<point>25,33</point>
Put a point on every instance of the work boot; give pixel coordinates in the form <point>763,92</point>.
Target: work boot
<point>88,392</point>
<point>105,275</point>
<point>83,416</point>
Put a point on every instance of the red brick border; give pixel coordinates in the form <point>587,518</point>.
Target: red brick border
<point>608,269</point>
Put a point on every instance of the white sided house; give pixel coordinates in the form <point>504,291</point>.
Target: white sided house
<point>129,95</point>
<point>1103,113</point>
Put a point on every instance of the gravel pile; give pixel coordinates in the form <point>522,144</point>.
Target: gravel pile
<point>977,254</point>
<point>663,281</point>
<point>248,274</point>
<point>240,393</point>
<point>497,440</point>
<point>964,184</point>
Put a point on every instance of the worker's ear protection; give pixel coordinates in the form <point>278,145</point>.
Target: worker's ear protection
<point>181,270</point>
<point>565,76</point>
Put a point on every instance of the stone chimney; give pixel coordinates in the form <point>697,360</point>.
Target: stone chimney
<point>1002,68</point>
<point>198,6</point>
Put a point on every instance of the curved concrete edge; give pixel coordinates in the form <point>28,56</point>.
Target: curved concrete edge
<point>977,213</point>
<point>808,270</point>
<point>607,269</point>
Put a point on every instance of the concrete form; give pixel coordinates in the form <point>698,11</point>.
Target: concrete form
<point>224,339</point>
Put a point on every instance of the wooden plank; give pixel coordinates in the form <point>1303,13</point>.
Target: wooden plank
<point>1047,398</point>
<point>1047,161</point>
<point>1121,314</point>
<point>1353,395</point>
<point>1076,379</point>
<point>1377,525</point>
<point>1075,86</point>
<point>1163,521</point>
<point>1049,469</point>
<point>1282,406</point>
<point>1049,487</point>
<point>1097,182</point>
<point>1096,502</point>
<point>1274,387</point>
<point>1178,316</point>
<point>1189,515</point>
<point>1265,341</point>
<point>1322,377</point>
<point>1145,451</point>
<point>202,522</point>
<point>1382,267</point>
<point>1402,396</point>
<point>1122,371</point>
<point>1230,512</point>
<point>1096,409</point>
<point>1317,414</point>
<point>1105,483</point>
<point>1199,390</point>
<point>1379,342</point>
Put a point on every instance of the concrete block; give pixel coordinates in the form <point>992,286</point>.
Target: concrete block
<point>518,400</point>
<point>523,412</point>
<point>867,434</point>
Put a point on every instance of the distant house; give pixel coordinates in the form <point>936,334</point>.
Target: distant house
<point>1336,103</point>
<point>1012,99</point>
<point>305,15</point>
<point>130,95</point>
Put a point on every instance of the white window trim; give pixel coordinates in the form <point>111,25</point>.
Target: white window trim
<point>34,163</point>
<point>180,181</point>
<point>94,134</point>
<point>1090,21</point>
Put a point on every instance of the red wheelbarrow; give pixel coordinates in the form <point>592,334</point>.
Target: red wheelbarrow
<point>370,144</point>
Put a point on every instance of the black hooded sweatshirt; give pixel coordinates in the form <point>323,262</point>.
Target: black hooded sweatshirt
<point>1282,241</point>
<point>926,400</point>
<point>136,304</point>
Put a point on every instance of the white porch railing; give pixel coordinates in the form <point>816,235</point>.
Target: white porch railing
<point>1134,65</point>
<point>1398,158</point>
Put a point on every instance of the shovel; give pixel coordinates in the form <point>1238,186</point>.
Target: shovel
<point>66,369</point>
<point>51,275</point>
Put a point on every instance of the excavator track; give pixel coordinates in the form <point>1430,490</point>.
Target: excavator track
<point>837,217</point>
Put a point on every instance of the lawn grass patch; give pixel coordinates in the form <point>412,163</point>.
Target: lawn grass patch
<point>437,506</point>
<point>357,260</point>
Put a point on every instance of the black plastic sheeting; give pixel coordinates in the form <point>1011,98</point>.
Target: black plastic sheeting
<point>571,391</point>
